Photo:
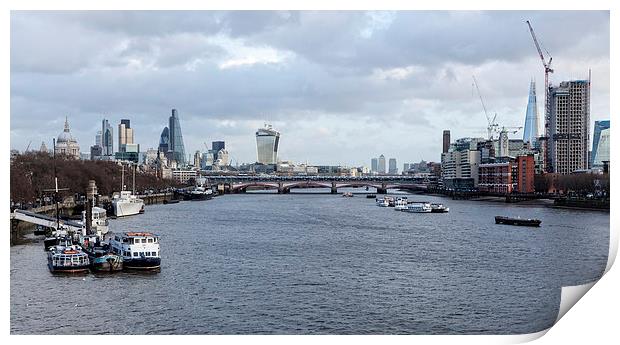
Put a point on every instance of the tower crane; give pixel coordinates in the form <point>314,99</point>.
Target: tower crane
<point>492,125</point>
<point>548,69</point>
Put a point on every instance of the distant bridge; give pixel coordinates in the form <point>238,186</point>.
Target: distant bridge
<point>284,184</point>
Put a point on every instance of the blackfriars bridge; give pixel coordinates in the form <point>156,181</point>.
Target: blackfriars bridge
<point>284,184</point>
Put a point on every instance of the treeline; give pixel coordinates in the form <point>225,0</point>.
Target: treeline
<point>33,172</point>
<point>579,184</point>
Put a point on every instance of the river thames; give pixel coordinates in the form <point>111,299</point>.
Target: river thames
<point>322,264</point>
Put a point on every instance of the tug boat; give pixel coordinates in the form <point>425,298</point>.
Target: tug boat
<point>439,208</point>
<point>419,207</point>
<point>517,221</point>
<point>67,259</point>
<point>139,250</point>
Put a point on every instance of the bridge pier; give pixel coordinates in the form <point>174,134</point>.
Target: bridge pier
<point>382,189</point>
<point>334,190</point>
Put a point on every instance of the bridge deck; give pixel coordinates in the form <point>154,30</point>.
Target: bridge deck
<point>43,220</point>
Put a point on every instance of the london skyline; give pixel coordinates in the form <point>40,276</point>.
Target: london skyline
<point>341,87</point>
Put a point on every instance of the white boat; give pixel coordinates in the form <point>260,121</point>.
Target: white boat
<point>127,204</point>
<point>401,204</point>
<point>140,250</point>
<point>383,202</point>
<point>419,207</point>
<point>67,259</point>
<point>99,221</point>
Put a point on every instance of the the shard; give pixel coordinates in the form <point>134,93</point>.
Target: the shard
<point>530,132</point>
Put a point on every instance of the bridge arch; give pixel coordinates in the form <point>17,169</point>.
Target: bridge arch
<point>242,187</point>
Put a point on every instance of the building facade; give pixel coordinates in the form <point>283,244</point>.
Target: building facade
<point>496,178</point>
<point>216,146</point>
<point>374,165</point>
<point>446,141</point>
<point>526,169</point>
<point>463,164</point>
<point>107,139</point>
<point>381,164</point>
<point>267,142</point>
<point>600,144</point>
<point>392,168</point>
<point>569,128</point>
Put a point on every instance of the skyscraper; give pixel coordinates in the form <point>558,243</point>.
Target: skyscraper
<point>393,170</point>
<point>530,132</point>
<point>267,141</point>
<point>374,165</point>
<point>107,139</point>
<point>125,135</point>
<point>164,141</point>
<point>381,165</point>
<point>600,144</point>
<point>446,141</point>
<point>569,127</point>
<point>176,148</point>
<point>216,146</point>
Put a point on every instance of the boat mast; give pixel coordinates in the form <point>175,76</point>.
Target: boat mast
<point>122,177</point>
<point>56,185</point>
<point>134,179</point>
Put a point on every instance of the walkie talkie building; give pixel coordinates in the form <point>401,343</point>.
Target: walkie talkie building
<point>267,140</point>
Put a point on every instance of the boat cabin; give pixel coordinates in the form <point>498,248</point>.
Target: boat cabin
<point>134,245</point>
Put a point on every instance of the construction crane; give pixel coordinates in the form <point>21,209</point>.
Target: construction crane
<point>511,130</point>
<point>546,65</point>
<point>492,126</point>
<point>206,146</point>
<point>28,148</point>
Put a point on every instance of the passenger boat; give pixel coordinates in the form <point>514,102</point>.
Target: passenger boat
<point>127,204</point>
<point>58,237</point>
<point>140,250</point>
<point>401,204</point>
<point>439,208</point>
<point>517,221</point>
<point>347,194</point>
<point>383,202</point>
<point>198,193</point>
<point>419,207</point>
<point>67,259</point>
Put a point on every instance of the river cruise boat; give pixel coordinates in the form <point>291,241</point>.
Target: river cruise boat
<point>419,207</point>
<point>439,208</point>
<point>67,259</point>
<point>383,202</point>
<point>401,204</point>
<point>517,221</point>
<point>127,204</point>
<point>140,250</point>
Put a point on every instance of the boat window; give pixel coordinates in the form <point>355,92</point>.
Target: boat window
<point>135,254</point>
<point>155,239</point>
<point>150,240</point>
<point>154,253</point>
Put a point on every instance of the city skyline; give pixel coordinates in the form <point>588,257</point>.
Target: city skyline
<point>348,91</point>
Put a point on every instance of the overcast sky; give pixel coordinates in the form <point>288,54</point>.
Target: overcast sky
<point>341,87</point>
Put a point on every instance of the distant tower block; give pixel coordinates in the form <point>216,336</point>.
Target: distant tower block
<point>530,132</point>
<point>446,141</point>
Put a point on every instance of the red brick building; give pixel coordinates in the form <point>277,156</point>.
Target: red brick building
<point>525,174</point>
<point>495,178</point>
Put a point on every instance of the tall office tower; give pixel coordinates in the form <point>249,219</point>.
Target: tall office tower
<point>267,141</point>
<point>381,165</point>
<point>600,144</point>
<point>374,165</point>
<point>197,159</point>
<point>530,131</point>
<point>407,165</point>
<point>107,138</point>
<point>569,130</point>
<point>176,147</point>
<point>98,138</point>
<point>125,135</point>
<point>216,146</point>
<point>446,141</point>
<point>164,141</point>
<point>393,170</point>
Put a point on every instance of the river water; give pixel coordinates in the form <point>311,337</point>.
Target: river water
<point>322,264</point>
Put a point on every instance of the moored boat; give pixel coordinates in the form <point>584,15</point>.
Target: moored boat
<point>517,221</point>
<point>139,250</point>
<point>439,208</point>
<point>371,196</point>
<point>419,207</point>
<point>401,204</point>
<point>67,259</point>
<point>383,202</point>
<point>127,204</point>
<point>198,193</point>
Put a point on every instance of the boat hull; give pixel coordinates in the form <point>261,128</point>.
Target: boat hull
<point>122,209</point>
<point>68,269</point>
<point>518,222</point>
<point>142,263</point>
<point>107,263</point>
<point>196,196</point>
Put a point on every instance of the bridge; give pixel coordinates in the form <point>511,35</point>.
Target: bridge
<point>45,221</point>
<point>284,184</point>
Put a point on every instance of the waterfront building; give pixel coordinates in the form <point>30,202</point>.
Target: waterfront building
<point>600,144</point>
<point>66,144</point>
<point>460,168</point>
<point>496,177</point>
<point>446,141</point>
<point>183,175</point>
<point>526,169</point>
<point>530,131</point>
<point>267,142</point>
<point>176,148</point>
<point>374,165</point>
<point>107,139</point>
<point>392,169</point>
<point>569,127</point>
<point>381,165</point>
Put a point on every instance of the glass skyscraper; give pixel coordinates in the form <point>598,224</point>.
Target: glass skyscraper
<point>107,139</point>
<point>164,141</point>
<point>530,132</point>
<point>176,147</point>
<point>267,141</point>
<point>600,143</point>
